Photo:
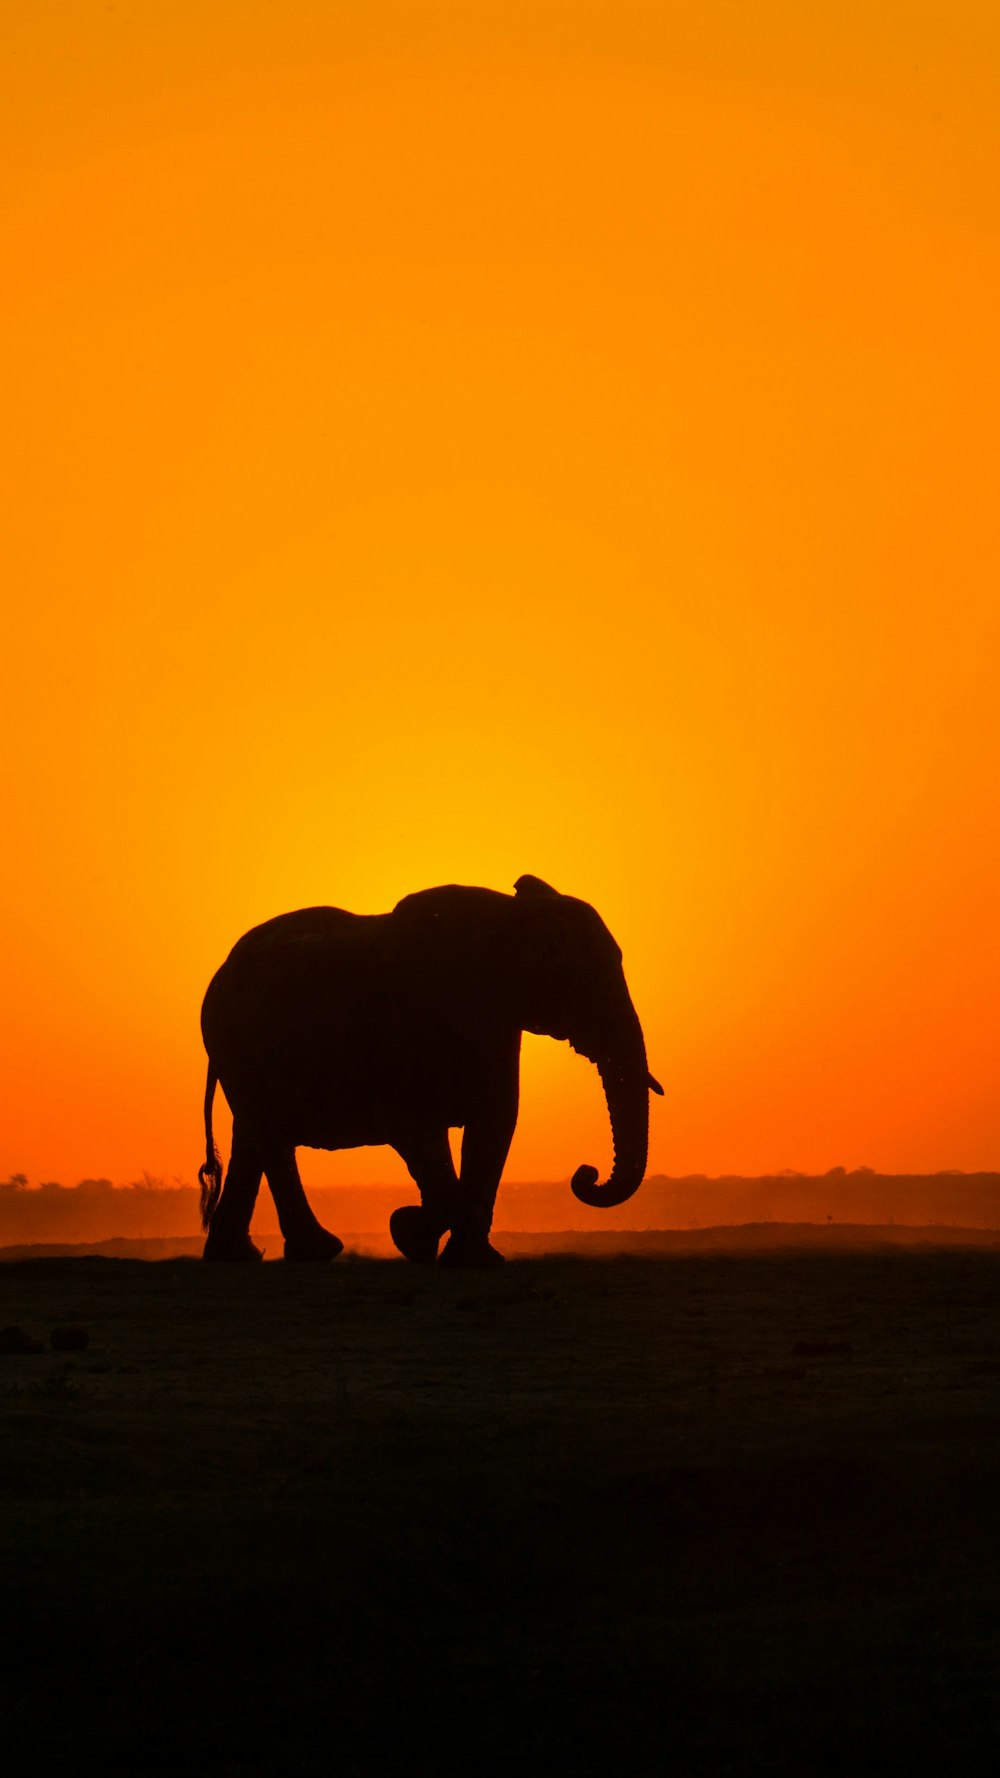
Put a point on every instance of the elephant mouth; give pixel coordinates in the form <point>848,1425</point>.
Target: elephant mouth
<point>602,1060</point>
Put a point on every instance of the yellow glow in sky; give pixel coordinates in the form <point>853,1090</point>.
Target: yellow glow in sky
<point>448,442</point>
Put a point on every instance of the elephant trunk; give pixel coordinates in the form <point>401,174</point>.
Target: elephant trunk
<point>626,1084</point>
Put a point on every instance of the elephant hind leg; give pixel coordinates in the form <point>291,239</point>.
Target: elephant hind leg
<point>305,1236</point>
<point>229,1230</point>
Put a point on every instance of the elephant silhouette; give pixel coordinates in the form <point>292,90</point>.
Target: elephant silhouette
<point>340,1030</point>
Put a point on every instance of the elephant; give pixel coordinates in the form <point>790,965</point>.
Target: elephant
<point>340,1030</point>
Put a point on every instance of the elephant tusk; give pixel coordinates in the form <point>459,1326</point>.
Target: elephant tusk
<point>654,1085</point>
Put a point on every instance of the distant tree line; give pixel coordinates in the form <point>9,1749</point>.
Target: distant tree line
<point>96,1209</point>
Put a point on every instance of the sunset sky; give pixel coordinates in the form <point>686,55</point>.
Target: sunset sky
<point>450,440</point>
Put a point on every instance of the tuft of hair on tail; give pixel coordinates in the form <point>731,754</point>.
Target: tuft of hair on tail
<point>210,1175</point>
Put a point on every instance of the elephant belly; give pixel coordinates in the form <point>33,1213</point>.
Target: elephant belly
<point>341,1124</point>
<point>339,1132</point>
<point>335,1110</point>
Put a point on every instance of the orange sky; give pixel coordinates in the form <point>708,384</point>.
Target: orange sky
<point>454,440</point>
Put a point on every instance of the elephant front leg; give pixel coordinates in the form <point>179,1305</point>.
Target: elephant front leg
<point>485,1145</point>
<point>416,1229</point>
<point>305,1236</point>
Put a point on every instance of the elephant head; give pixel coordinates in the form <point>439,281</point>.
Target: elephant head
<point>569,982</point>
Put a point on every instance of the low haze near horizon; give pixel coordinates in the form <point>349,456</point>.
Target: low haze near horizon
<point>450,442</point>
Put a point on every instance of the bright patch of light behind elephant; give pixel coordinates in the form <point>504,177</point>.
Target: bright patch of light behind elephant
<point>336,1030</point>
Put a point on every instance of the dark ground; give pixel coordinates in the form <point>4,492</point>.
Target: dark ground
<point>719,1513</point>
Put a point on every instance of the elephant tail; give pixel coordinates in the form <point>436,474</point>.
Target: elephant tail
<point>210,1175</point>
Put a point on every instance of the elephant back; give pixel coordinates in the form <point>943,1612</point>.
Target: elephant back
<point>447,949</point>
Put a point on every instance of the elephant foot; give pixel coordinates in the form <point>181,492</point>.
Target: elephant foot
<point>230,1248</point>
<point>415,1234</point>
<point>313,1246</point>
<point>472,1252</point>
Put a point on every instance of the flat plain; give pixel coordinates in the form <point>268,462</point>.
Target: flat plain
<point>695,1513</point>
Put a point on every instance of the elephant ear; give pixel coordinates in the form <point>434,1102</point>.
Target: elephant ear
<point>533,888</point>
<point>549,922</point>
<point>565,932</point>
